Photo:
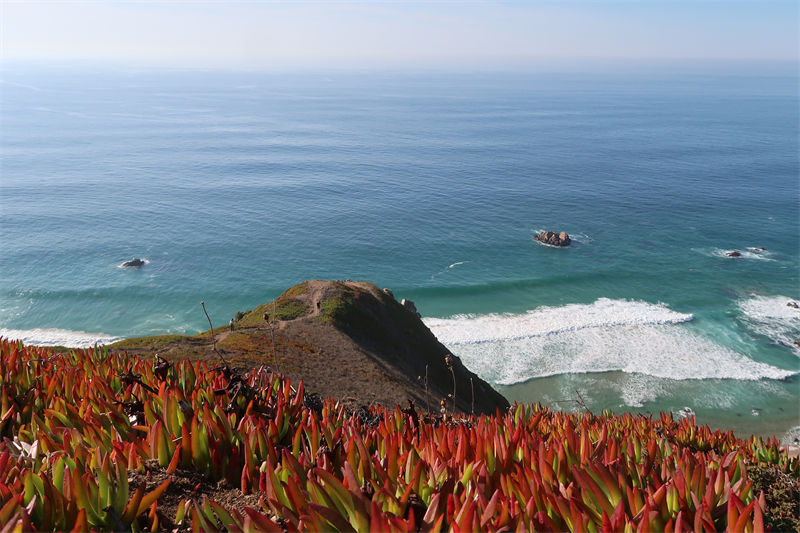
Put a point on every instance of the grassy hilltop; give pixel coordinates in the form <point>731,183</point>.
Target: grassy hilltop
<point>348,340</point>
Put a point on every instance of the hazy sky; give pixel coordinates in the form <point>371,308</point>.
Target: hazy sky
<point>477,34</point>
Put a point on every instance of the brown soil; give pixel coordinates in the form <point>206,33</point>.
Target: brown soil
<point>782,494</point>
<point>188,484</point>
<point>344,339</point>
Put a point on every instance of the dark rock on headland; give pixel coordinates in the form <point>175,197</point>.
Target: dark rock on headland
<point>133,263</point>
<point>554,239</point>
<point>408,304</point>
<point>734,253</point>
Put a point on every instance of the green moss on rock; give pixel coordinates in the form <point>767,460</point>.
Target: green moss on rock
<point>286,307</point>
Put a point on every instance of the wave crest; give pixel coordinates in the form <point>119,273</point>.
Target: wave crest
<point>57,337</point>
<point>608,335</point>
<point>772,317</point>
<point>547,321</point>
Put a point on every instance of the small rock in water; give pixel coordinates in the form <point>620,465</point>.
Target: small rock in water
<point>755,412</point>
<point>133,263</point>
<point>792,304</point>
<point>759,249</point>
<point>554,239</point>
<point>734,253</point>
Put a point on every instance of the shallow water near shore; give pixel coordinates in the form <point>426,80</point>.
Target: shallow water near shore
<point>235,186</point>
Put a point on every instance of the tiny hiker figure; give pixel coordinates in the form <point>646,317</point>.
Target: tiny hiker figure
<point>266,317</point>
<point>231,323</point>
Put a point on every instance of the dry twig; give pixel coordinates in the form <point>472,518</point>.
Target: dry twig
<point>213,339</point>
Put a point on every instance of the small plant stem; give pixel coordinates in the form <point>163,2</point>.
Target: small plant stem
<point>472,386</point>
<point>452,373</point>
<point>272,334</point>
<point>427,403</point>
<point>580,401</point>
<point>213,339</point>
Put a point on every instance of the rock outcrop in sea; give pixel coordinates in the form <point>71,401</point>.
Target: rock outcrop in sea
<point>554,239</point>
<point>133,263</point>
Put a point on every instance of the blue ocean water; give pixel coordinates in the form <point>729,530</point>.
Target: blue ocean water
<point>235,186</point>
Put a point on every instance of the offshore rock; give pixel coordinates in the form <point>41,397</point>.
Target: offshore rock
<point>554,239</point>
<point>133,263</point>
<point>734,253</point>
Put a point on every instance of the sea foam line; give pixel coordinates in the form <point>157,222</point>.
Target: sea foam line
<point>749,252</point>
<point>57,337</point>
<point>449,267</point>
<point>546,321</point>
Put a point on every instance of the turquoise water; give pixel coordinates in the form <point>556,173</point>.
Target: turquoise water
<point>235,186</point>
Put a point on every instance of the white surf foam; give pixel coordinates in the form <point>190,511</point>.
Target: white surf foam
<point>792,437</point>
<point>57,337</point>
<point>458,263</point>
<point>449,267</point>
<point>746,253</point>
<point>546,321</point>
<point>771,317</point>
<point>608,335</point>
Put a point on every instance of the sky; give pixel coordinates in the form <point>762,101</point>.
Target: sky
<point>385,34</point>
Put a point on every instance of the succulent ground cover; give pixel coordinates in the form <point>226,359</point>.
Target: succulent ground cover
<point>95,439</point>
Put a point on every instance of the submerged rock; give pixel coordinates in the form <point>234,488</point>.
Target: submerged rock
<point>734,253</point>
<point>554,239</point>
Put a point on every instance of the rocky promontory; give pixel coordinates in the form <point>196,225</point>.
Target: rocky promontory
<point>349,340</point>
<point>553,239</point>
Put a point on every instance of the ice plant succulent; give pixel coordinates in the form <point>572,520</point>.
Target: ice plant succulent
<point>76,426</point>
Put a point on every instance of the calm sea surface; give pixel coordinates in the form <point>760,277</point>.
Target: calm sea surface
<point>236,186</point>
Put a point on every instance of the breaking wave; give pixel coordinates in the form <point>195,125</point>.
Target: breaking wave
<point>745,253</point>
<point>772,317</point>
<point>608,335</point>
<point>57,337</point>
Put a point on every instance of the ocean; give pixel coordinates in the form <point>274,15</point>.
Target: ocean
<point>233,186</point>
